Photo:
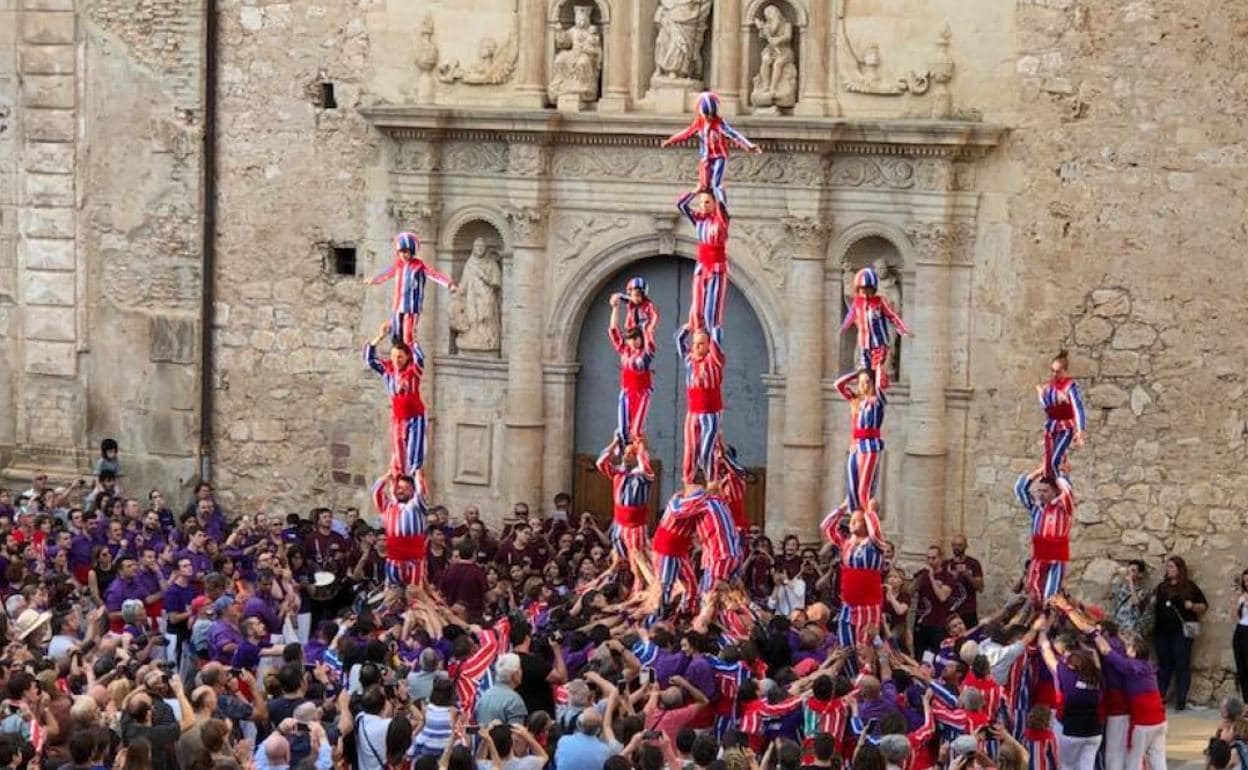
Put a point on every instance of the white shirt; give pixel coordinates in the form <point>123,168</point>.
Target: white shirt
<point>370,742</point>
<point>1001,657</point>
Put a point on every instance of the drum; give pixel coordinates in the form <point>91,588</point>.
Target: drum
<point>324,586</point>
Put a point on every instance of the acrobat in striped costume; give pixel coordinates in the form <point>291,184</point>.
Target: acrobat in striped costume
<point>862,574</point>
<point>673,543</point>
<point>874,319</point>
<point>1065,419</point>
<point>721,547</point>
<point>1050,534</point>
<point>410,274</point>
<point>472,675</point>
<point>408,425</point>
<point>867,406</point>
<point>636,353</point>
<point>731,477</point>
<point>709,292</point>
<point>714,134</point>
<point>704,379</point>
<point>402,509</point>
<point>630,490</point>
<point>639,311</point>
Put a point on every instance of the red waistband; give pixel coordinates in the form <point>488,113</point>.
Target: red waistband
<point>1050,548</point>
<point>1146,709</point>
<point>1116,703</point>
<point>864,433</point>
<point>630,515</point>
<point>1038,735</point>
<point>712,255</point>
<point>1065,411</point>
<point>668,542</point>
<point>156,609</point>
<point>736,506</point>
<point>705,400</point>
<point>405,547</point>
<point>405,406</point>
<point>862,587</point>
<point>634,380</point>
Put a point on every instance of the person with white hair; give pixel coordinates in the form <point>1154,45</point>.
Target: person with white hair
<point>593,742</point>
<point>501,702</point>
<point>896,751</point>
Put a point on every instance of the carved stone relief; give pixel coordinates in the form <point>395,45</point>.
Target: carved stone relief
<point>475,157</point>
<point>681,28</point>
<point>526,225</point>
<point>413,157</point>
<point>414,215</point>
<point>775,83</point>
<point>426,62</point>
<point>869,76</point>
<point>493,64</point>
<point>943,242</point>
<point>475,312</point>
<point>798,170</point>
<point>766,243</point>
<point>527,160</point>
<point>573,234</point>
<point>884,172</point>
<point>577,66</point>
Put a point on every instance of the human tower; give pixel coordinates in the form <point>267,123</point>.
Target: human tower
<point>709,509</point>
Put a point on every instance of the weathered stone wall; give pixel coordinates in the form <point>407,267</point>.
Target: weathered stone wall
<point>1120,238</point>
<point>8,225</point>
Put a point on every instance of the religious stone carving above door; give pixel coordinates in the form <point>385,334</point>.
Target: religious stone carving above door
<point>680,31</point>
<point>492,65</point>
<point>775,83</point>
<point>574,74</point>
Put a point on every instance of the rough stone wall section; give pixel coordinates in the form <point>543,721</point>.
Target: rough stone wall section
<point>1126,247</point>
<point>293,393</point>
<point>48,287</point>
<point>8,223</point>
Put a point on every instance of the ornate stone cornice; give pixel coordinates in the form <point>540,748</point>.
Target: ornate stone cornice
<point>808,235</point>
<point>417,215</point>
<point>824,136</point>
<point>527,225</point>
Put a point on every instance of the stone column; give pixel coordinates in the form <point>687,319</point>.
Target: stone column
<point>803,396</point>
<point>926,450</point>
<point>727,53</point>
<point>615,91</point>
<point>523,413</point>
<point>531,80</point>
<point>814,71</point>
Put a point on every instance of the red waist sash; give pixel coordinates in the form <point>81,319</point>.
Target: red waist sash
<point>705,400</point>
<point>671,543</point>
<point>1146,709</point>
<point>736,506</point>
<point>630,515</point>
<point>712,255</point>
<point>1050,548</point>
<point>1065,411</point>
<point>405,547</point>
<point>862,587</point>
<point>634,381</point>
<point>405,406</point>
<point>866,433</point>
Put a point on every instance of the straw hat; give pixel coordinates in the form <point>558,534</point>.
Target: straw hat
<point>28,622</point>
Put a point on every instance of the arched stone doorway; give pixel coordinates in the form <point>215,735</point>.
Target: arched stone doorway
<point>745,418</point>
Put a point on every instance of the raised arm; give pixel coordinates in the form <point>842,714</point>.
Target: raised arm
<point>843,386</point>
<point>684,339</point>
<point>603,463</point>
<point>370,350</point>
<point>685,204</point>
<point>1022,490</point>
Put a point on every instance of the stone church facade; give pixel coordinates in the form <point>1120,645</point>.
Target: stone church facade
<point>1030,176</point>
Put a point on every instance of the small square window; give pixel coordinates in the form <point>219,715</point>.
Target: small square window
<point>327,96</point>
<point>342,260</point>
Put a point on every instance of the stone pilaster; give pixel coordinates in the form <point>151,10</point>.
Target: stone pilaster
<point>814,70</point>
<point>531,80</point>
<point>727,54</point>
<point>523,412</point>
<point>49,289</point>
<point>615,90</point>
<point>926,454</point>
<point>803,401</point>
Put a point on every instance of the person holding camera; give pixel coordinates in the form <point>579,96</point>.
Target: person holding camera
<point>146,715</point>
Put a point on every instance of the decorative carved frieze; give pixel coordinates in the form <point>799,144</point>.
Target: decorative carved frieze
<point>414,156</point>
<point>766,243</point>
<point>573,233</point>
<point>416,215</point>
<point>528,160</point>
<point>475,157</point>
<point>892,173</point>
<point>644,164</point>
<point>807,235</point>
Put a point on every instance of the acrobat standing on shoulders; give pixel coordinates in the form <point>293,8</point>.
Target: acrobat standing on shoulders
<point>1065,418</point>
<point>631,481</point>
<point>402,507</point>
<point>714,133</point>
<point>710,274</point>
<point>875,320</point>
<point>866,407</point>
<point>402,374</point>
<point>703,354</point>
<point>1050,501</point>
<point>410,274</point>
<point>640,312</point>
<point>862,572</point>
<point>636,352</point>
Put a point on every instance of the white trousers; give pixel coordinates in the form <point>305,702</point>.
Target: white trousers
<point>1147,743</point>
<point>1116,741</point>
<point>1077,753</point>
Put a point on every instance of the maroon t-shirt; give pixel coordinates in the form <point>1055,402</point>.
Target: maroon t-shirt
<point>964,601</point>
<point>931,612</point>
<point>464,583</point>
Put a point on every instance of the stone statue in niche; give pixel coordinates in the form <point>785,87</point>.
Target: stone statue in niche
<point>775,85</point>
<point>942,74</point>
<point>678,45</point>
<point>475,312</point>
<point>578,62</point>
<point>494,64</point>
<point>426,61</point>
